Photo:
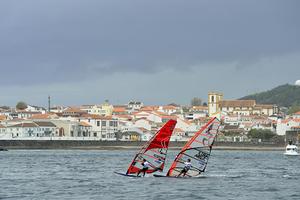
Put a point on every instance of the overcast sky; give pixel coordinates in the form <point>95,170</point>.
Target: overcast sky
<point>154,51</point>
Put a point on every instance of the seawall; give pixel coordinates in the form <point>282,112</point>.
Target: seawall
<point>117,145</point>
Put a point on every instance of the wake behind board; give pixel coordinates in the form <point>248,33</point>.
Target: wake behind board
<point>128,175</point>
<point>181,177</point>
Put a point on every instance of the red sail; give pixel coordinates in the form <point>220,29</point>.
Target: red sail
<point>154,151</point>
<point>197,150</point>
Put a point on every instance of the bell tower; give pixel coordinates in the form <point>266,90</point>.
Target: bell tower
<point>214,99</point>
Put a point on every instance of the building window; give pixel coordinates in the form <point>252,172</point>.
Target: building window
<point>98,123</point>
<point>103,123</point>
<point>212,99</point>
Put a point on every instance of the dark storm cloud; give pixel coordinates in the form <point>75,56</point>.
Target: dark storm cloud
<point>68,40</point>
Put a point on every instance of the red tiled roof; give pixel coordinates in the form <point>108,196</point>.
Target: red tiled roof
<point>74,109</point>
<point>94,116</point>
<point>85,124</point>
<point>40,116</point>
<point>285,121</point>
<point>169,117</point>
<point>149,108</point>
<point>158,113</point>
<point>119,109</point>
<point>2,117</point>
<point>178,130</point>
<point>296,120</point>
<point>238,103</point>
<point>169,107</point>
<point>264,106</point>
<point>200,107</point>
<point>25,125</point>
<point>123,116</point>
<point>44,123</point>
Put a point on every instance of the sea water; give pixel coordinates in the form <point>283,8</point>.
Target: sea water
<point>89,174</point>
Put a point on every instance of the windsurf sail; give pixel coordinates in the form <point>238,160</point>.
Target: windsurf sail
<point>154,151</point>
<point>197,149</point>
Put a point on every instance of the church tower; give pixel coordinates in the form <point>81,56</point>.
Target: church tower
<point>214,99</point>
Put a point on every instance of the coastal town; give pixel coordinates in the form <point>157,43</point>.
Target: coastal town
<point>134,121</point>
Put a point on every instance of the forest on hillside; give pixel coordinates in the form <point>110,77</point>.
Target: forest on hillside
<point>284,96</point>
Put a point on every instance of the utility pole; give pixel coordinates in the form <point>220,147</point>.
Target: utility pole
<point>49,99</point>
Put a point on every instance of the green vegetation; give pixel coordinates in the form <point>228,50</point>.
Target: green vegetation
<point>294,109</point>
<point>21,105</point>
<point>283,95</point>
<point>261,134</point>
<point>5,107</point>
<point>196,101</point>
<point>232,133</point>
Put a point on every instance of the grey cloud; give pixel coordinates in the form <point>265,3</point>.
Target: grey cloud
<point>67,40</point>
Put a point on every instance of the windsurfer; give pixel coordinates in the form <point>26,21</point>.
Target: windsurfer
<point>145,165</point>
<point>186,168</point>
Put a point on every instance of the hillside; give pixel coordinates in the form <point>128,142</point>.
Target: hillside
<point>283,95</point>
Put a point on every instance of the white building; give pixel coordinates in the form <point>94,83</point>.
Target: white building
<point>287,125</point>
<point>32,108</point>
<point>104,109</point>
<point>144,123</point>
<point>169,109</point>
<point>101,126</point>
<point>135,105</point>
<point>153,116</point>
<point>296,115</point>
<point>31,129</point>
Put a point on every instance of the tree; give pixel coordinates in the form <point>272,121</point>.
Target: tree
<point>21,105</point>
<point>5,107</point>
<point>293,109</point>
<point>204,104</point>
<point>261,134</point>
<point>196,101</point>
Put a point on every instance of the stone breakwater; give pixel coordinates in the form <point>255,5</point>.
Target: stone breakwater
<point>117,145</point>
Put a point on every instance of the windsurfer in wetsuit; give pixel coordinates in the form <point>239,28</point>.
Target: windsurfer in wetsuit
<point>145,165</point>
<point>186,168</point>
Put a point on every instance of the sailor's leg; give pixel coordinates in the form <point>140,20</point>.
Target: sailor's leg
<point>138,173</point>
<point>179,173</point>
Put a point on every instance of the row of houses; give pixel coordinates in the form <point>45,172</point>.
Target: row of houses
<point>51,125</point>
<point>78,122</point>
<point>136,121</point>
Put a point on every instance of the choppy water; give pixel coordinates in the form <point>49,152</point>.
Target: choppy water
<point>86,174</point>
